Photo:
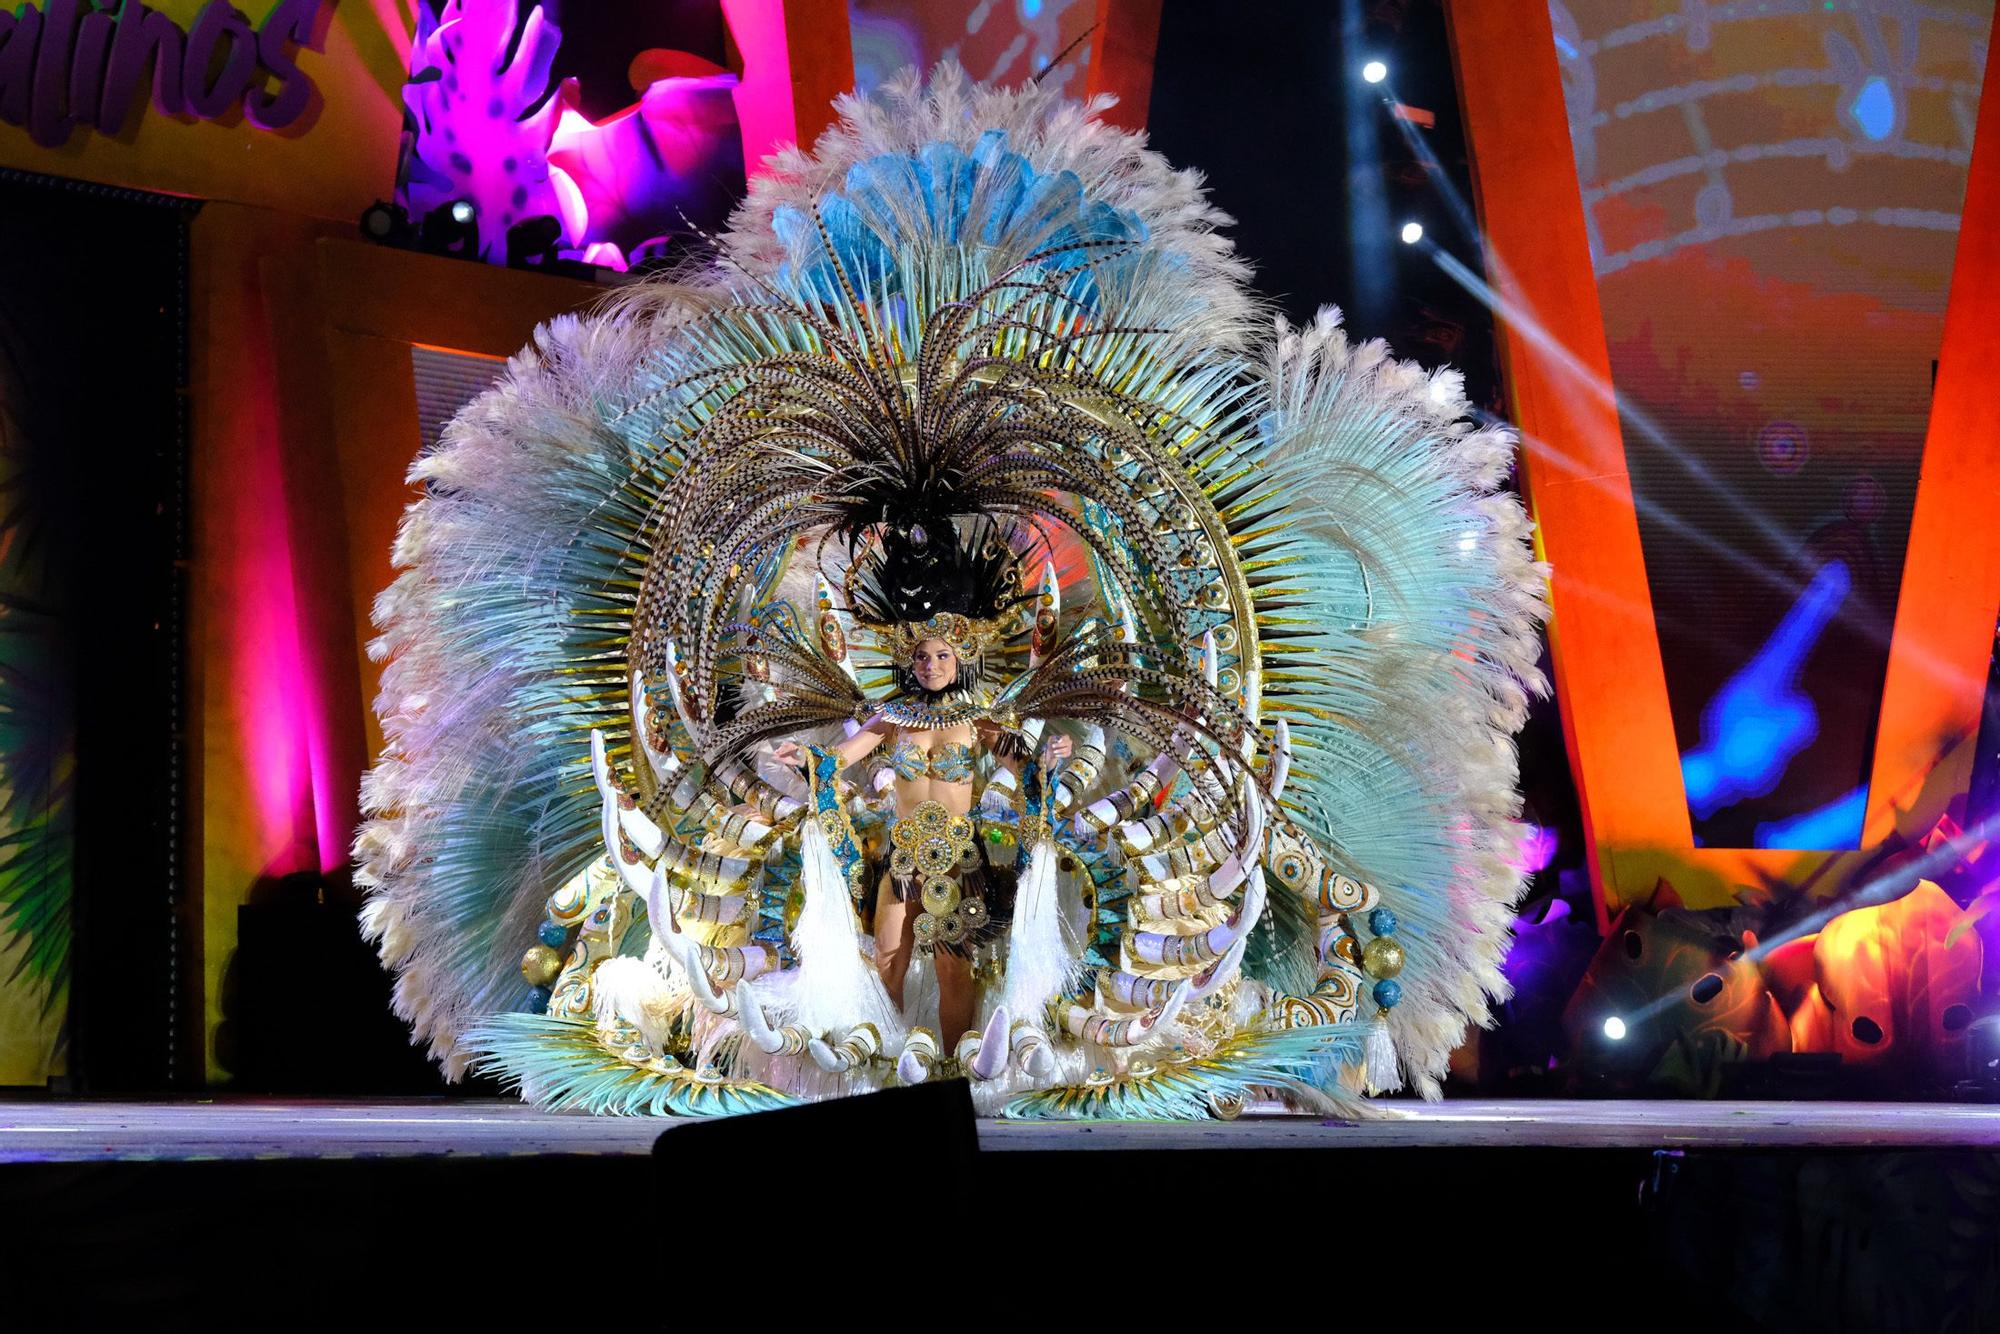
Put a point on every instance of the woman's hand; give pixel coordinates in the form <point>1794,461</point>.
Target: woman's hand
<point>789,753</point>
<point>1056,751</point>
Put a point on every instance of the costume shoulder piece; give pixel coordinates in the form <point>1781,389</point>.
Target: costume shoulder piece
<point>977,379</point>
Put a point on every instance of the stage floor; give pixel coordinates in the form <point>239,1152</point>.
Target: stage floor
<point>43,1130</point>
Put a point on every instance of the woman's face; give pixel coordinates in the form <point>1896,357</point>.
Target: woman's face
<point>934,665</point>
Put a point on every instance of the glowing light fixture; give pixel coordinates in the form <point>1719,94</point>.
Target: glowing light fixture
<point>1614,1028</point>
<point>462,212</point>
<point>1374,71</point>
<point>1413,232</point>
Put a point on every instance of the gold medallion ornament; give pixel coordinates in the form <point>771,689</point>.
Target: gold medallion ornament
<point>940,895</point>
<point>935,845</point>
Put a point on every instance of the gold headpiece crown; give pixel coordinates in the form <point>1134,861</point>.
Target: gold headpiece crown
<point>968,638</point>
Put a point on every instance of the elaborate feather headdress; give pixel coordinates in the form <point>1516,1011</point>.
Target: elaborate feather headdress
<point>1314,621</point>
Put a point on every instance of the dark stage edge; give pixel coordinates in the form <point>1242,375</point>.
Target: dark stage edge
<point>282,1214</point>
<point>247,1129</point>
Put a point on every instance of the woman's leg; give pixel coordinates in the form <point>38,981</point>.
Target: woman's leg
<point>895,927</point>
<point>954,974</point>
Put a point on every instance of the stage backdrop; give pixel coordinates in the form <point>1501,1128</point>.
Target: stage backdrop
<point>1772,194</point>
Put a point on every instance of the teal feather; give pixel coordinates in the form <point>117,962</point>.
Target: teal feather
<point>1300,1061</point>
<point>1282,950</point>
<point>569,1069</point>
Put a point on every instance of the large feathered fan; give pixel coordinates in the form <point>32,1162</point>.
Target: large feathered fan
<point>1293,630</point>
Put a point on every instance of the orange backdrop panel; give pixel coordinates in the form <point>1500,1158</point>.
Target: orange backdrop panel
<point>1936,683</point>
<point>1124,42</point>
<point>1612,687</point>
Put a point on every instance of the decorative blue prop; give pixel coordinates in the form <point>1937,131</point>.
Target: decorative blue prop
<point>1760,719</point>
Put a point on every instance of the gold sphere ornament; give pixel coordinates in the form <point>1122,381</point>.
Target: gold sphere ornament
<point>540,966</point>
<point>1382,957</point>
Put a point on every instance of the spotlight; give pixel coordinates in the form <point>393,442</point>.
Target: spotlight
<point>1374,71</point>
<point>1614,1028</point>
<point>451,229</point>
<point>1412,233</point>
<point>387,224</point>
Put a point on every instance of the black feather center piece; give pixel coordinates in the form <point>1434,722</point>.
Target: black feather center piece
<point>915,570</point>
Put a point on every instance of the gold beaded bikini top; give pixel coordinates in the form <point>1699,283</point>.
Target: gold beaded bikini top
<point>949,763</point>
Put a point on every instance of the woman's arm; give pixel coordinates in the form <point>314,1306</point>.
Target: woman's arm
<point>855,748</point>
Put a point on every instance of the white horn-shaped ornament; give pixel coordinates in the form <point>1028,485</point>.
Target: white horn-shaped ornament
<point>674,687</point>
<point>1105,1031</point>
<point>787,1041</point>
<point>665,765</point>
<point>861,1042</point>
<point>632,871</point>
<point>685,953</point>
<point>1222,882</point>
<point>1225,968</point>
<point>1209,663</point>
<point>1281,759</point>
<point>1079,773</point>
<point>1033,1055</point>
<point>1175,951</point>
<point>645,835</point>
<point>1127,814</point>
<point>920,1051</point>
<point>993,1047</point>
<point>750,1016</point>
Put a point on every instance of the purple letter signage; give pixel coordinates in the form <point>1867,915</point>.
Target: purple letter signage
<point>68,61</point>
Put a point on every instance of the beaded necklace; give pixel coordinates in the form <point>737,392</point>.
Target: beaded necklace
<point>931,713</point>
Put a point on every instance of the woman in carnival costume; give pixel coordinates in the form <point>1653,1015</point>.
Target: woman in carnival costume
<point>938,608</point>
<point>1198,648</point>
